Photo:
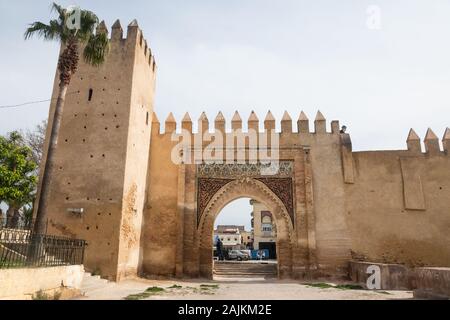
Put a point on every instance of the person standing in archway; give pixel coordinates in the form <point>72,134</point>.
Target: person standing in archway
<point>219,246</point>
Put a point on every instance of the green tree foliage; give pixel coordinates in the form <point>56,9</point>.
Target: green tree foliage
<point>17,175</point>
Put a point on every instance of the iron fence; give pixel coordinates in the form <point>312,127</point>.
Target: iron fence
<point>22,249</point>
<point>17,224</point>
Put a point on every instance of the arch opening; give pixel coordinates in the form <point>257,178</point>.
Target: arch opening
<point>259,193</point>
<point>244,241</point>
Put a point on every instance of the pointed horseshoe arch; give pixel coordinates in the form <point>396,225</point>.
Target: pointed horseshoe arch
<point>254,189</point>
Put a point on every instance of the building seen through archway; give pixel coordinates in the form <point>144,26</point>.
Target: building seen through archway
<point>264,230</point>
<point>247,247</point>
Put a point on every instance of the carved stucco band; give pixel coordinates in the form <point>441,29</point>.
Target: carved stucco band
<point>281,187</point>
<point>206,189</point>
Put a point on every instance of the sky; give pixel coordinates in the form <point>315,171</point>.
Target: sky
<point>379,72</point>
<point>238,213</point>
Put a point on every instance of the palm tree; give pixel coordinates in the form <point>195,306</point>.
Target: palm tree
<point>96,48</point>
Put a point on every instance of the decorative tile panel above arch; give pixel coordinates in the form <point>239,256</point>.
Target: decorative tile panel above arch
<point>283,188</point>
<point>212,177</point>
<point>206,189</point>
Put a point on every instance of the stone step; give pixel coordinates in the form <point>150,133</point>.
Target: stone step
<point>245,274</point>
<point>250,268</point>
<point>245,269</point>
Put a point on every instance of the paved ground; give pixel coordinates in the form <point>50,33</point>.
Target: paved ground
<point>232,289</point>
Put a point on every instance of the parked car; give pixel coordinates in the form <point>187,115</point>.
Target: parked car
<point>238,255</point>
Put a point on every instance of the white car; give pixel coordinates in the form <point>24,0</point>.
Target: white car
<point>238,255</point>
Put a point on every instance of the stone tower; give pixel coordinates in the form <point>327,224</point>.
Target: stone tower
<point>98,190</point>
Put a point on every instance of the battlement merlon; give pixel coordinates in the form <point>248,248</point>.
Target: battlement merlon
<point>253,122</point>
<point>414,145</point>
<point>431,142</point>
<point>134,36</point>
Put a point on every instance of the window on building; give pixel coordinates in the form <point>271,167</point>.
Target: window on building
<point>266,220</point>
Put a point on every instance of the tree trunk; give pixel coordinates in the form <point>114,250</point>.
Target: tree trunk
<point>41,215</point>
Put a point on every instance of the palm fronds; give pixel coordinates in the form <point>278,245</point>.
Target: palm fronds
<point>96,49</point>
<point>96,45</point>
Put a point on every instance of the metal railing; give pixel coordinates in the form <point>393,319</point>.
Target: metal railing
<point>16,224</point>
<point>22,249</point>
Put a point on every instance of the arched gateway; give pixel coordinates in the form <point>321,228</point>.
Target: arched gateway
<point>208,188</point>
<point>115,183</point>
<point>249,188</point>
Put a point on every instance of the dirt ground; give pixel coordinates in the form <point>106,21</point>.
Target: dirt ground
<point>235,289</point>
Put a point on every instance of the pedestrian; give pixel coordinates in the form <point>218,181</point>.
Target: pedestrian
<point>219,246</point>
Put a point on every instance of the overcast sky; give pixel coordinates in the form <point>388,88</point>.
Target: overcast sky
<point>259,55</point>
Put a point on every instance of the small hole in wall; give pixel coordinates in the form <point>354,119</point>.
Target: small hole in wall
<point>106,128</point>
<point>92,156</point>
<point>103,156</point>
<point>86,115</point>
<point>67,198</point>
<point>104,78</point>
<point>84,140</point>
<point>75,115</point>
<point>103,114</point>
<point>60,168</point>
<point>99,199</point>
<point>91,93</point>
<point>110,214</point>
<point>440,188</point>
<point>117,127</point>
<point>85,127</point>
<point>88,198</point>
<point>103,89</point>
<point>115,116</point>
<point>117,102</point>
<point>69,183</point>
<point>109,244</point>
<point>96,227</point>
<point>67,140</point>
<point>99,214</point>
<point>87,228</point>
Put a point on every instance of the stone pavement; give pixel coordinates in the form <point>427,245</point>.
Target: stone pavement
<point>230,289</point>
